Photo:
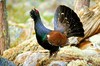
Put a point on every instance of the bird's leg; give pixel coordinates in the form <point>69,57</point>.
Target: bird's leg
<point>53,54</point>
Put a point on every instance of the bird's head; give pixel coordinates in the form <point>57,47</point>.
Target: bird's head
<point>34,14</point>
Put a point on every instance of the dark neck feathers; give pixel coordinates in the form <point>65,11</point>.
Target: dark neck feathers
<point>40,29</point>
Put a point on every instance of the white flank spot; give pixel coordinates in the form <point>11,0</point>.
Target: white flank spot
<point>62,13</point>
<point>48,36</point>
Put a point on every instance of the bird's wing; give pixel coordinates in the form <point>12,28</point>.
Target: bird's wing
<point>56,38</point>
<point>67,21</point>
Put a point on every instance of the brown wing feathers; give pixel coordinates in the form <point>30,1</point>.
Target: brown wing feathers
<point>56,38</point>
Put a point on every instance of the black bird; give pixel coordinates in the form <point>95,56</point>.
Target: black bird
<point>66,24</point>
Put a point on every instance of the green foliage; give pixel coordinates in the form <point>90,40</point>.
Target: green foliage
<point>48,18</point>
<point>17,13</point>
<point>42,0</point>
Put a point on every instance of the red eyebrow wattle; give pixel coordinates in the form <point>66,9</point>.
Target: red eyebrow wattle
<point>37,11</point>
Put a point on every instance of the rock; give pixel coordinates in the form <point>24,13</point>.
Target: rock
<point>28,45</point>
<point>33,59</point>
<point>22,57</point>
<point>15,33</point>
<point>66,56</point>
<point>5,62</point>
<point>58,63</point>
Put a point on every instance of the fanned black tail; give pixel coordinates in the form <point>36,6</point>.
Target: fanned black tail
<point>67,21</point>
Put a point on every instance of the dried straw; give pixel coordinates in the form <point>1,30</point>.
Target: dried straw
<point>91,21</point>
